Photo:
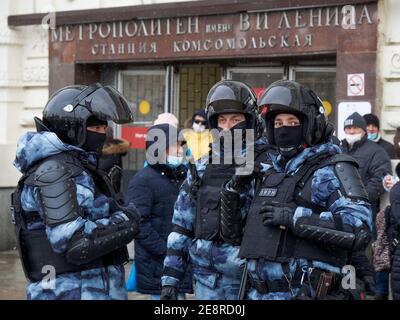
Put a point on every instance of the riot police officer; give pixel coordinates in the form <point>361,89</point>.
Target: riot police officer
<point>71,232</point>
<point>310,209</point>
<point>196,237</point>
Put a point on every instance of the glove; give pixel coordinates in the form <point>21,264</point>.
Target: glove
<point>362,239</point>
<point>130,211</point>
<point>276,216</point>
<point>169,293</point>
<point>239,181</point>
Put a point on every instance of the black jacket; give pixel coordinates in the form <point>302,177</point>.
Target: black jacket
<point>374,164</point>
<point>389,148</point>
<point>393,233</point>
<point>154,190</point>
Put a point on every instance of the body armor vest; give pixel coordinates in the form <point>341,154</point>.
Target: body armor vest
<point>208,200</point>
<point>277,243</point>
<point>34,248</point>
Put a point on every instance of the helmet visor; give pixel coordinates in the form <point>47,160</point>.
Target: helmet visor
<point>227,106</point>
<point>106,103</point>
<point>278,95</point>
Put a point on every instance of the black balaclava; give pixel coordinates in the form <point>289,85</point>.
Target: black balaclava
<point>288,139</point>
<point>94,141</point>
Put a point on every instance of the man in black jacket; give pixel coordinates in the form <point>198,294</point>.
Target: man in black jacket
<point>374,135</point>
<point>374,165</point>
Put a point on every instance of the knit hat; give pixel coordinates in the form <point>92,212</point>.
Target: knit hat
<point>168,118</point>
<point>371,119</point>
<point>355,120</point>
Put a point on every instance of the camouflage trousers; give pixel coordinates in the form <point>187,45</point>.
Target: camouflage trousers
<point>94,284</point>
<point>223,288</point>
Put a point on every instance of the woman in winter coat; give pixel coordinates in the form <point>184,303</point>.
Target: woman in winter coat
<point>154,190</point>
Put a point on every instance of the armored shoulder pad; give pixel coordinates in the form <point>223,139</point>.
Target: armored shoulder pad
<point>57,192</point>
<point>346,170</point>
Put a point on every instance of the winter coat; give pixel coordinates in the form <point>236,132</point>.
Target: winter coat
<point>373,163</point>
<point>154,190</point>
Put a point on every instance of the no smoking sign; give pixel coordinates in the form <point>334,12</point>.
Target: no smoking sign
<point>355,84</point>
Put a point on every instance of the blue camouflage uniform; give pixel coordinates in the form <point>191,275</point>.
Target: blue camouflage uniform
<point>99,283</point>
<point>216,266</point>
<point>324,183</point>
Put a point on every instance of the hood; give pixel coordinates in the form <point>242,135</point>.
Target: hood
<point>296,162</point>
<point>35,146</point>
<point>202,113</point>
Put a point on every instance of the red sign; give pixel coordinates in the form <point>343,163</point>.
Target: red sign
<point>136,136</point>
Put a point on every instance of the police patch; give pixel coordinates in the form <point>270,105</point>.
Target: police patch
<point>268,192</point>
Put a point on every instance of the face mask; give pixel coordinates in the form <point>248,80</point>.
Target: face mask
<point>174,161</point>
<point>197,127</point>
<point>352,138</point>
<point>288,139</point>
<point>94,142</point>
<point>372,136</point>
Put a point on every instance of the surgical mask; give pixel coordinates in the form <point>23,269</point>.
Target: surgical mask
<point>94,142</point>
<point>174,161</point>
<point>373,136</point>
<point>197,127</point>
<point>288,140</point>
<point>352,138</point>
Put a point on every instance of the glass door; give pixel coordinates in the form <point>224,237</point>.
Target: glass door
<point>258,78</point>
<point>322,80</point>
<point>146,91</point>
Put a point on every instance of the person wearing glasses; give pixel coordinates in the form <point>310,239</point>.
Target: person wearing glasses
<point>198,137</point>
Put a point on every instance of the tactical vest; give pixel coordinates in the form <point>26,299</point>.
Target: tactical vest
<point>277,244</point>
<point>208,199</point>
<point>35,250</point>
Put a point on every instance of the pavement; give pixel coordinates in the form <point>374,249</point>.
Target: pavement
<point>13,282</point>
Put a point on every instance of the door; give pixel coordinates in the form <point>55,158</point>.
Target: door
<point>257,78</point>
<point>322,80</point>
<point>194,84</point>
<point>145,90</point>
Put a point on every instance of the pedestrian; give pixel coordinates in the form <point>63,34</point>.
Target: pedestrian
<point>198,137</point>
<point>153,190</point>
<point>387,252</point>
<point>374,135</point>
<point>63,219</point>
<point>374,165</point>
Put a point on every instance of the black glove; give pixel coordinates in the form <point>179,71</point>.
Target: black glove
<point>277,216</point>
<point>130,211</point>
<point>169,293</point>
<point>239,181</point>
<point>362,239</point>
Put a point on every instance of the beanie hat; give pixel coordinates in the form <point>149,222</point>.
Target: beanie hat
<point>355,120</point>
<point>201,113</point>
<point>371,119</point>
<point>168,118</point>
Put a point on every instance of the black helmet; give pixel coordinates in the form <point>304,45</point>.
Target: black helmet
<point>228,96</point>
<point>68,110</point>
<point>286,96</point>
